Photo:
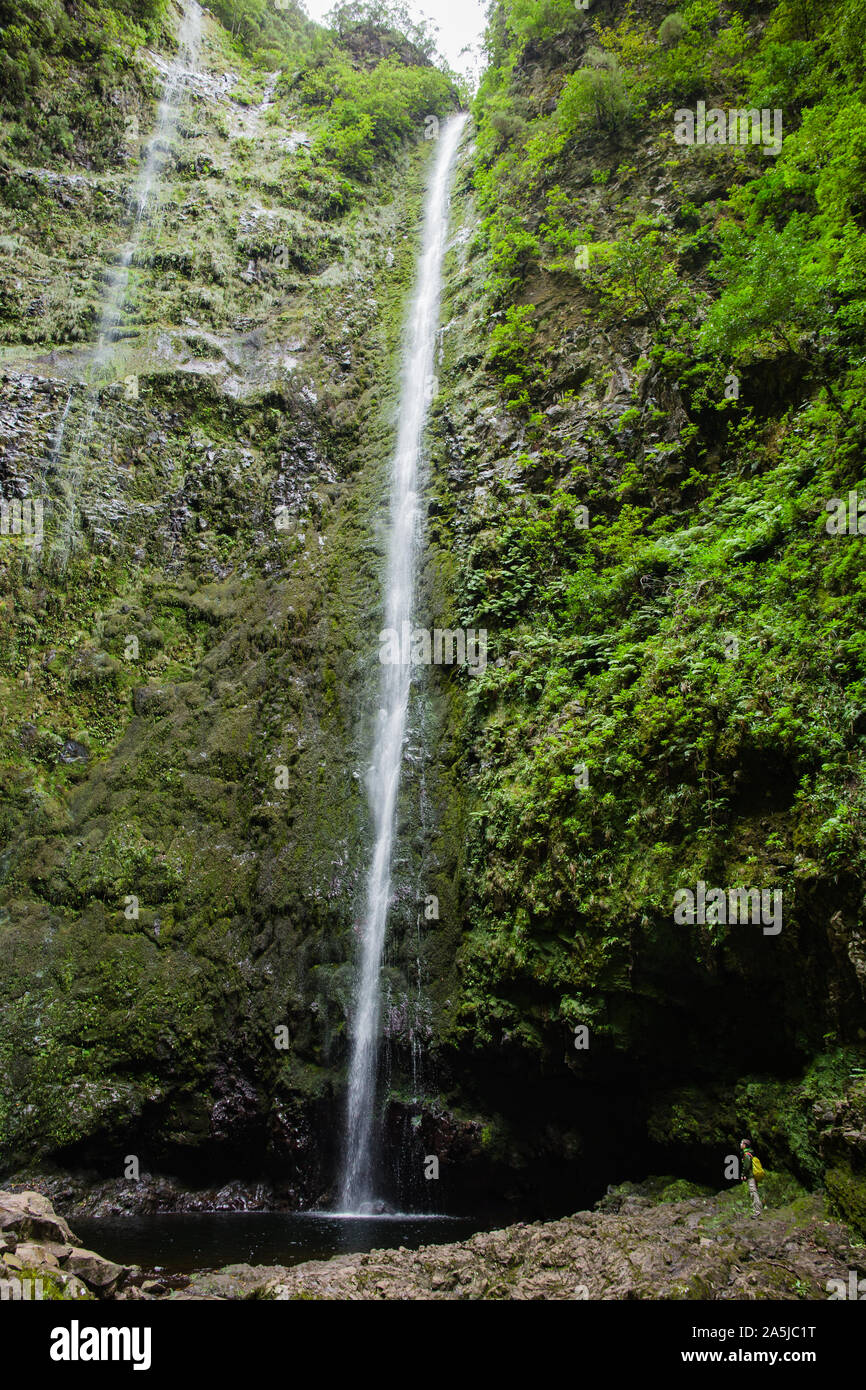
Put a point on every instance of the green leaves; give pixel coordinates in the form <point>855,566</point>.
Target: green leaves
<point>371,113</point>
<point>637,275</point>
<point>594,97</point>
<point>512,250</point>
<point>773,295</point>
<point>540,19</point>
<point>510,341</point>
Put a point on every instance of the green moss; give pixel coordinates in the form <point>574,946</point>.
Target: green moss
<point>54,1288</point>
<point>189,645</point>
<point>847,1193</point>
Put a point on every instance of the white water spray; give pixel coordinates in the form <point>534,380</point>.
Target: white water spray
<point>384,776</point>
<point>180,69</point>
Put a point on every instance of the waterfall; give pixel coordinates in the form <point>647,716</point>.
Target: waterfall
<point>384,774</point>
<point>180,69</point>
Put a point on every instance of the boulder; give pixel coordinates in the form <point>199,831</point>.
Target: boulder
<point>32,1253</point>
<point>93,1269</point>
<point>29,1215</point>
<point>70,1286</point>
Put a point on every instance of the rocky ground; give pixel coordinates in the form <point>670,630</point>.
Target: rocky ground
<point>662,1239</point>
<point>39,1255</point>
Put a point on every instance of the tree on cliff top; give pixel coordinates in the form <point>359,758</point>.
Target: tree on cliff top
<point>375,29</point>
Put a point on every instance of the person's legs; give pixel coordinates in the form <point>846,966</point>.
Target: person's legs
<point>757,1206</point>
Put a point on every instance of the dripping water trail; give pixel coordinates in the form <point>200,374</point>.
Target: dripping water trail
<point>384,774</point>
<point>99,365</point>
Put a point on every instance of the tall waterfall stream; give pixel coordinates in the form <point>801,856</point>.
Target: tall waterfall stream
<point>384,774</point>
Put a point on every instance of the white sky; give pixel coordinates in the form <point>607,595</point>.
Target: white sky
<point>460,22</point>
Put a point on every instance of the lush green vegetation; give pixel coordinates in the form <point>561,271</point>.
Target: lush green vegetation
<point>370,113</point>
<point>651,386</point>
<point>269,34</point>
<point>699,647</point>
<point>66,77</point>
<point>71,87</point>
<point>730,503</point>
<point>374,86</point>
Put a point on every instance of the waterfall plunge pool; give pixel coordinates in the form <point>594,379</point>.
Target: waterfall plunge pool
<point>184,1242</point>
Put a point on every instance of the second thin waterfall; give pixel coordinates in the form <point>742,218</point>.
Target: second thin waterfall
<point>101,364</point>
<point>384,776</point>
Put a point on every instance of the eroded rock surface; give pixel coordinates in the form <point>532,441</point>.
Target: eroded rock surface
<point>701,1248</point>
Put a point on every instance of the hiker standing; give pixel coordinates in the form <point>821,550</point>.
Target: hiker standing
<point>748,1173</point>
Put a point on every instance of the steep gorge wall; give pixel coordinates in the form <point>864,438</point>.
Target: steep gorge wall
<point>187,700</point>
<point>262,329</point>
<point>620,746</point>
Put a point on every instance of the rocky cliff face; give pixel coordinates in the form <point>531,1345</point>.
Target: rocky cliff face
<point>673,694</point>
<point>635,449</point>
<point>187,653</point>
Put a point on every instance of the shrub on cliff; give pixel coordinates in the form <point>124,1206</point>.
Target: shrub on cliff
<point>595,95</point>
<point>371,114</point>
<point>541,19</point>
<point>671,30</point>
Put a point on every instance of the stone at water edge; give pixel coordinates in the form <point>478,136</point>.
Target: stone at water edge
<point>93,1269</point>
<point>54,1257</point>
<point>30,1215</point>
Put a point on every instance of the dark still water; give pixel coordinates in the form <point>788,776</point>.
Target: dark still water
<point>185,1242</point>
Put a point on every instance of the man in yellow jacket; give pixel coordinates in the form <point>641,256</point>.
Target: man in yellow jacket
<point>747,1175</point>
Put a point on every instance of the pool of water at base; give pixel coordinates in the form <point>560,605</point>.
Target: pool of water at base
<point>181,1243</point>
